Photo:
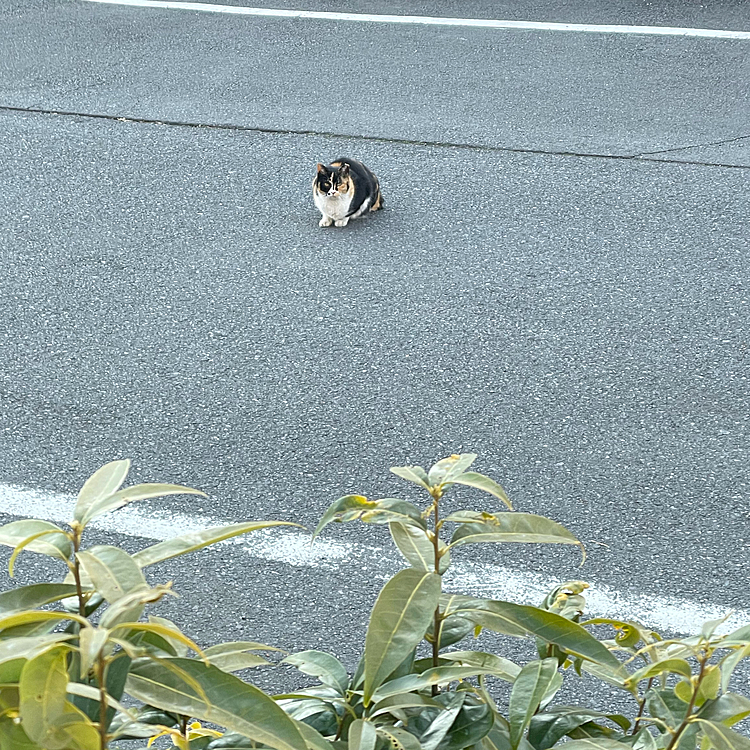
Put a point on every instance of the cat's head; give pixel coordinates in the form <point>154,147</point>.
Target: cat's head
<point>333,180</point>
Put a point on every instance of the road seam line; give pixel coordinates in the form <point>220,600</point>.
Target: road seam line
<point>432,20</point>
<point>147,521</point>
<point>375,138</point>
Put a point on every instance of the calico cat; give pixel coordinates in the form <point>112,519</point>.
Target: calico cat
<point>345,190</point>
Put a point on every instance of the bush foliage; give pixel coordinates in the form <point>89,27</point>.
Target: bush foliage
<point>75,655</point>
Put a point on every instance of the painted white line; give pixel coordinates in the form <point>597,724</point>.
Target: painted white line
<point>429,20</point>
<point>663,613</point>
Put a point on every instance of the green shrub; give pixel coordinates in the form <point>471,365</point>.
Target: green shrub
<point>64,672</point>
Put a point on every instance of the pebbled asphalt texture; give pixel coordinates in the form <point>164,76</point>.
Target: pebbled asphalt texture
<point>579,322</point>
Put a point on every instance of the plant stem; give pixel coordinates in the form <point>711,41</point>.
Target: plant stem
<point>101,670</point>
<point>438,620</point>
<point>76,570</point>
<point>641,706</point>
<point>676,737</point>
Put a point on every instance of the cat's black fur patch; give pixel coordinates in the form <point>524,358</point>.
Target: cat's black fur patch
<point>346,177</point>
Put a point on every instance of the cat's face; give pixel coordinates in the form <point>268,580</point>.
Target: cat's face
<point>332,181</point>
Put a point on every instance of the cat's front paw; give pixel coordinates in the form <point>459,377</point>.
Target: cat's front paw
<point>342,222</point>
<point>326,221</point>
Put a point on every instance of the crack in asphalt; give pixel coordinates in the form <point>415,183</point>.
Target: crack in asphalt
<point>723,142</point>
<point>384,139</point>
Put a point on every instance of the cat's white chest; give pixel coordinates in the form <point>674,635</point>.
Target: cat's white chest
<point>335,206</point>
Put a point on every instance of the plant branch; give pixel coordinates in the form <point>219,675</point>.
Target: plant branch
<point>676,737</point>
<point>641,706</point>
<point>101,671</point>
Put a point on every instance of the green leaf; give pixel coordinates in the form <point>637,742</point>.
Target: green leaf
<point>401,701</point>
<point>362,735</point>
<point>438,728</point>
<point>723,738</point>
<point>417,549</point>
<point>474,721</point>
<point>452,630</point>
<point>498,738</point>
<point>448,469</point>
<point>398,738</point>
<point>545,729</point>
<point>100,484</point>
<point>236,655</point>
<point>665,705</point>
<point>727,709</point>
<point>739,637</point>
<point>398,622</point>
<point>481,482</point>
<point>529,688</point>
<point>195,540</point>
<point>729,664</point>
<point>33,596</point>
<point>497,666</point>
<point>672,666</point>
<point>112,571</point>
<point>37,616</point>
<point>228,701</point>
<point>49,719</point>
<point>117,500</point>
<point>359,508</point>
<point>53,545</point>
<point>434,676</point>
<point>13,737</point>
<point>328,669</point>
<point>525,528</point>
<point>596,743</point>
<point>518,619</point>
<point>414,474</point>
<point>130,606</point>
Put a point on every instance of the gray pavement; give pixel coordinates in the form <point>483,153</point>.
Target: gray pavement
<point>579,321</point>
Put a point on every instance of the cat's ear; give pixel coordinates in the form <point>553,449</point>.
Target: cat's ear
<point>322,169</point>
<point>344,171</point>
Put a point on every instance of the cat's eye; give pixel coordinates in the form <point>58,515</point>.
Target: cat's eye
<point>325,185</point>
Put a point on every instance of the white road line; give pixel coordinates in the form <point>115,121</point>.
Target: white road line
<point>430,20</point>
<point>663,613</point>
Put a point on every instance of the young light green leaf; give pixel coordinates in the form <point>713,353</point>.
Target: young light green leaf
<point>52,544</point>
<point>100,484</point>
<point>448,469</point>
<point>481,482</point>
<point>195,540</point>
<point>362,735</point>
<point>514,527</point>
<point>359,508</point>
<point>414,474</point>
<point>112,571</point>
<point>399,619</point>
<point>530,686</point>
<point>27,647</point>
<point>33,596</point>
<point>116,500</point>
<point>673,666</point>
<point>48,717</point>
<point>91,642</point>
<point>518,619</point>
<point>723,738</point>
<point>328,669</point>
<point>417,549</point>
<point>226,700</point>
<point>172,633</point>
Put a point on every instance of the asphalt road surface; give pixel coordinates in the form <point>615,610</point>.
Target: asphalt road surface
<point>559,283</point>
